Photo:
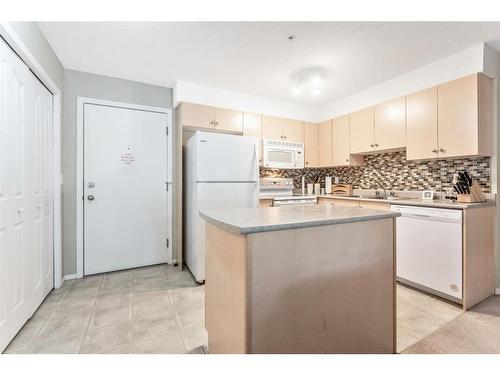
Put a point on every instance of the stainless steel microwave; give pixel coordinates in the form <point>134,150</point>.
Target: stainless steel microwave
<point>282,154</point>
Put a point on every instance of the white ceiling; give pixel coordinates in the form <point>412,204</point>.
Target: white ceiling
<point>256,57</point>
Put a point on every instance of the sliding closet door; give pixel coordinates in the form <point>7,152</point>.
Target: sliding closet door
<point>25,194</point>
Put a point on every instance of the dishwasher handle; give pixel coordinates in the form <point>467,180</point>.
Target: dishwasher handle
<point>431,218</point>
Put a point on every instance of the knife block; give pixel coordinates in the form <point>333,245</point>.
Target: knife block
<point>476,194</point>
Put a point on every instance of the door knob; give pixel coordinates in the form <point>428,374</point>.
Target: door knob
<point>90,197</point>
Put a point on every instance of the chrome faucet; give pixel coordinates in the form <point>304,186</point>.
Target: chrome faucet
<point>377,182</point>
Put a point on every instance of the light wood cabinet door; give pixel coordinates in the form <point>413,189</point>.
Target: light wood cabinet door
<point>263,203</point>
<point>375,205</point>
<point>422,124</point>
<point>340,141</point>
<point>272,127</point>
<point>325,144</point>
<point>361,131</point>
<point>390,125</point>
<point>293,130</point>
<point>458,117</point>
<point>228,120</point>
<point>345,203</point>
<point>252,125</point>
<point>197,115</point>
<point>311,140</point>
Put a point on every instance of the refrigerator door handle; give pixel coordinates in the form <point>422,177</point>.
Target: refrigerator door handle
<point>256,158</point>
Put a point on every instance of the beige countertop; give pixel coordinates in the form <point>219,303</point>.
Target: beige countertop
<point>437,203</point>
<point>253,220</point>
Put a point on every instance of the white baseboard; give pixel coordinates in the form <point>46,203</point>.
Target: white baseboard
<point>69,277</point>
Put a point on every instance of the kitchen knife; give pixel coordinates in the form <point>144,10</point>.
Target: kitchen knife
<point>464,182</point>
<point>468,177</point>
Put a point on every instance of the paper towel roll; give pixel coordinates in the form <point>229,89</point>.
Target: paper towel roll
<point>328,185</point>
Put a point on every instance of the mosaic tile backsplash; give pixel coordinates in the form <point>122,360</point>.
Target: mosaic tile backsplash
<point>394,172</point>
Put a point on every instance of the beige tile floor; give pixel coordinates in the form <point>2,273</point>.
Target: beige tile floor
<point>419,315</point>
<point>146,310</point>
<point>161,310</point>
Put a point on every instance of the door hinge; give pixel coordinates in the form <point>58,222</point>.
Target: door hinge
<point>168,242</point>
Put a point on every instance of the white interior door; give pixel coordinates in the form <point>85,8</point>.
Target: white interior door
<point>26,194</point>
<point>126,220</point>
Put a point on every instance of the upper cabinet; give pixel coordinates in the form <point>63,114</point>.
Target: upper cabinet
<point>228,120</point>
<point>311,140</point>
<point>390,125</point>
<point>362,131</point>
<point>282,129</point>
<point>272,127</point>
<point>325,144</point>
<point>252,125</point>
<point>451,120</point>
<point>422,124</point>
<point>293,130</point>
<point>202,116</point>
<point>341,155</point>
<point>465,117</point>
<point>196,115</point>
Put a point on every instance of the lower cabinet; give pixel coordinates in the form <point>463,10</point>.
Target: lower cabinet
<point>266,203</point>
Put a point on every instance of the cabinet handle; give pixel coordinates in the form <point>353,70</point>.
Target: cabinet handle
<point>307,163</point>
<point>347,160</point>
<point>371,145</point>
<point>216,123</point>
<point>376,144</point>
<point>211,123</point>
<point>442,150</point>
<point>434,150</point>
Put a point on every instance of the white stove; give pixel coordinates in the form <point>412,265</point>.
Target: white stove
<point>281,191</point>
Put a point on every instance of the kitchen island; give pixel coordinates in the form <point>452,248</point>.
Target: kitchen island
<point>300,279</point>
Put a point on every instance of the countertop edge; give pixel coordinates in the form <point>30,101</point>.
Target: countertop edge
<point>414,202</point>
<point>297,225</point>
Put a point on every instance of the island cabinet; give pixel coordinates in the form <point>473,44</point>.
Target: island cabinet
<point>311,142</point>
<point>341,155</point>
<point>278,128</point>
<point>264,296</point>
<point>206,117</point>
<point>325,144</point>
<point>362,131</point>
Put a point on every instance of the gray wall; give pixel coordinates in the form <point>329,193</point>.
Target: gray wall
<point>99,87</point>
<point>33,38</point>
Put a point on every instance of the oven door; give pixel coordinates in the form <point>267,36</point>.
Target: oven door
<point>279,158</point>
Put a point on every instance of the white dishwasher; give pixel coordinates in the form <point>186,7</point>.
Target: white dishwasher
<point>429,250</point>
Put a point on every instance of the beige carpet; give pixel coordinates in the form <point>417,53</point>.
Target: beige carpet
<point>474,332</point>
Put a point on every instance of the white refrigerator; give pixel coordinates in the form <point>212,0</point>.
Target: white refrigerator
<point>220,171</point>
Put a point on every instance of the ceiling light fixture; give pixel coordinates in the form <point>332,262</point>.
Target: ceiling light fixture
<point>308,80</point>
